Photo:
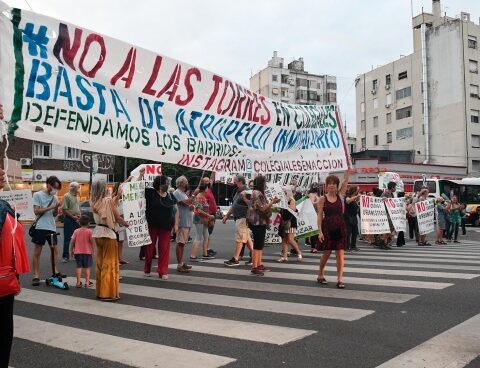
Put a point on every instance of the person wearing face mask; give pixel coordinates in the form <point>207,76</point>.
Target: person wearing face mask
<point>45,207</point>
<point>161,217</point>
<point>71,216</point>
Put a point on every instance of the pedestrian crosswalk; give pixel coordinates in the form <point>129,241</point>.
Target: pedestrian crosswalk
<point>228,314</point>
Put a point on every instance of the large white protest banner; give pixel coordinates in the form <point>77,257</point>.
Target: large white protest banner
<point>425,216</point>
<point>303,181</point>
<point>21,201</point>
<point>133,205</point>
<point>373,215</point>
<point>64,84</point>
<point>397,211</point>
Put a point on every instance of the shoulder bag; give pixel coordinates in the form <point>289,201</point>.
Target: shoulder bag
<point>34,225</point>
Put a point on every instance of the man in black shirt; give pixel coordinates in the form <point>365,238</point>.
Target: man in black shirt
<point>242,232</point>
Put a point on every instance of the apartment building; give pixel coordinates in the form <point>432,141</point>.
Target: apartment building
<point>294,85</point>
<point>426,102</point>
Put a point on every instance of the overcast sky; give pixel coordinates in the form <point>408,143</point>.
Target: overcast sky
<point>236,38</point>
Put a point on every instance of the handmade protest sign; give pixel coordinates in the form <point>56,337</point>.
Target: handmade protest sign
<point>373,215</point>
<point>398,212</point>
<point>425,216</point>
<point>150,172</point>
<point>386,177</point>
<point>68,85</point>
<point>133,205</point>
<point>21,201</point>
<point>306,223</point>
<point>304,181</point>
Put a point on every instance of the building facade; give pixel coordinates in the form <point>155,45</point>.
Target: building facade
<point>426,102</point>
<point>31,162</point>
<point>292,84</point>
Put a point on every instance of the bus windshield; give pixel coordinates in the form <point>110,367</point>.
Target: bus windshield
<point>431,184</point>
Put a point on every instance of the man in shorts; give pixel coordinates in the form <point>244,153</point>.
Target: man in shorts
<point>45,207</point>
<point>242,232</point>
<point>185,206</point>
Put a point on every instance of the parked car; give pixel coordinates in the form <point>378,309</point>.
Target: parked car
<point>472,213</point>
<point>86,209</point>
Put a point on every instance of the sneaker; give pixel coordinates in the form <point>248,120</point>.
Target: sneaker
<point>257,272</point>
<point>60,274</point>
<point>187,266</point>
<point>164,277</point>
<point>263,268</point>
<point>182,269</point>
<point>232,263</point>
<point>356,249</point>
<point>299,258</point>
<point>211,252</point>
<point>36,281</point>
<point>189,239</point>
<point>208,256</point>
<point>147,274</point>
<point>65,260</point>
<point>249,262</point>
<point>195,259</point>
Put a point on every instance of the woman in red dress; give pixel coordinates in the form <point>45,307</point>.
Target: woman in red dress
<point>331,224</point>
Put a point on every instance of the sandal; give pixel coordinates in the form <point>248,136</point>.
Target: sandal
<point>282,260</point>
<point>313,250</point>
<point>340,285</point>
<point>322,281</point>
<point>79,285</point>
<point>89,285</point>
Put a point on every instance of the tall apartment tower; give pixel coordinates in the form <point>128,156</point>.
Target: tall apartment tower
<point>426,102</point>
<point>293,84</point>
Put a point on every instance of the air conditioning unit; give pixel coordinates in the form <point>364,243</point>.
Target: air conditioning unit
<point>26,161</point>
<point>387,106</point>
<point>40,177</point>
<point>387,86</point>
<point>374,91</point>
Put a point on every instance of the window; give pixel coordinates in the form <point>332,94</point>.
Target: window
<point>473,91</point>
<point>331,85</point>
<point>375,140</point>
<point>375,103</point>
<point>312,84</point>
<point>476,165</point>
<point>472,42</point>
<point>389,137</point>
<point>362,125</point>
<point>388,79</point>
<point>375,84</point>
<point>404,92</point>
<point>319,86</point>
<point>364,142</point>
<point>274,78</point>
<point>332,97</point>
<point>42,150</point>
<point>362,107</point>
<point>302,82</point>
<point>375,121</point>
<point>406,112</point>
<point>473,66</point>
<point>72,153</point>
<point>285,78</point>
<point>312,95</point>
<point>474,114</point>
<point>301,94</point>
<point>389,99</point>
<point>284,92</point>
<point>403,75</point>
<point>389,118</point>
<point>475,141</point>
<point>404,133</point>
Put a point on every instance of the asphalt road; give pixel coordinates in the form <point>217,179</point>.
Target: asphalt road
<point>399,308</point>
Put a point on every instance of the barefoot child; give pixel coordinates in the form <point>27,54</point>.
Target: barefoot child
<point>81,247</point>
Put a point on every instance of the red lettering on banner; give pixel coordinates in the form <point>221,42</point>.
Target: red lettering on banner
<point>63,45</point>
<point>91,38</point>
<point>216,85</point>
<point>365,201</point>
<point>192,72</point>
<point>172,83</point>
<point>153,77</point>
<point>128,65</point>
<point>153,169</point>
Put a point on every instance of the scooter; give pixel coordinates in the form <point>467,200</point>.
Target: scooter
<point>56,279</point>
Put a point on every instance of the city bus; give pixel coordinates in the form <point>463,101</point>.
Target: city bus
<point>467,190</point>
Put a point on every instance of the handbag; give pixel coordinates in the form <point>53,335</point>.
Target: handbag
<point>33,227</point>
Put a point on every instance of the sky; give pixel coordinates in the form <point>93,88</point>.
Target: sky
<point>236,39</point>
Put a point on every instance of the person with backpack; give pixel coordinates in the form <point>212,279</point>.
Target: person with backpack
<point>160,209</point>
<point>13,262</point>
